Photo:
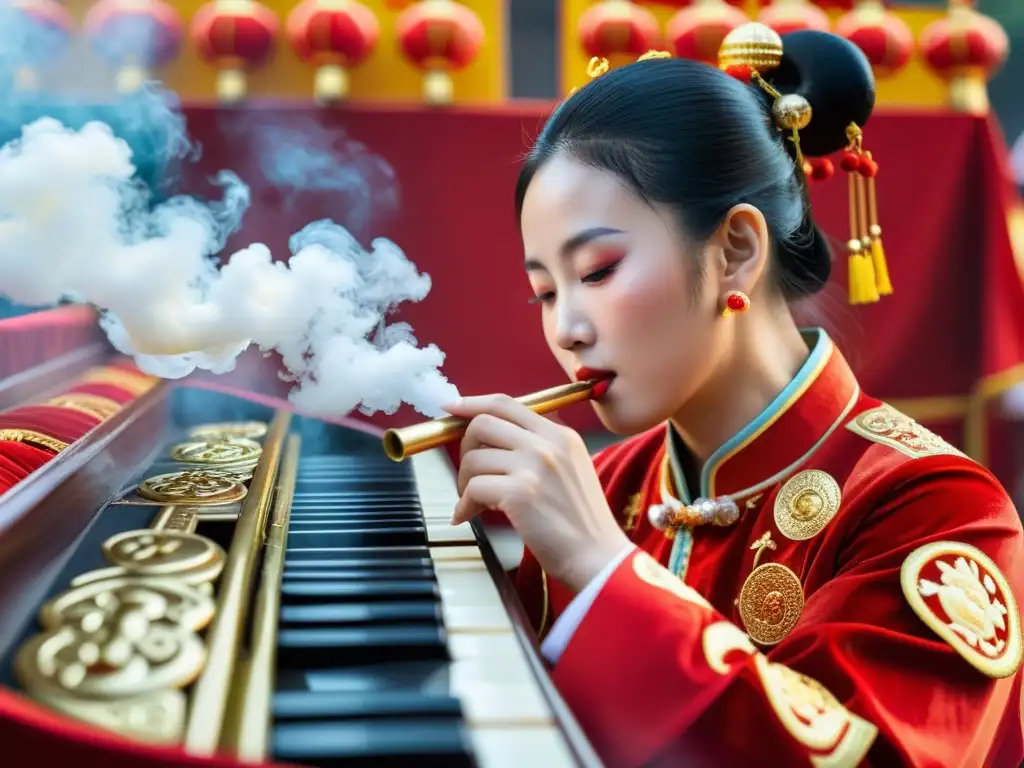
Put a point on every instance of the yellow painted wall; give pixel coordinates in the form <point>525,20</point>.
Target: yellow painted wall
<point>384,77</point>
<point>914,86</point>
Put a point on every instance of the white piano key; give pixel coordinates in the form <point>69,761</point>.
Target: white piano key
<point>515,747</point>
<point>493,694</point>
<point>455,554</point>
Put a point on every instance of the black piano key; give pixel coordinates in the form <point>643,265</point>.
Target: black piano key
<point>359,537</point>
<point>341,573</point>
<point>361,613</point>
<point>325,647</point>
<point>363,521</point>
<point>296,552</point>
<point>315,705</point>
<point>422,742</point>
<point>355,561</point>
<point>358,591</point>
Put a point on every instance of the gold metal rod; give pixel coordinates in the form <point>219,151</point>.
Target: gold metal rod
<point>416,438</point>
<point>249,713</point>
<point>210,693</point>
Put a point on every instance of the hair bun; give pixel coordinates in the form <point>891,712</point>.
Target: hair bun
<point>835,77</point>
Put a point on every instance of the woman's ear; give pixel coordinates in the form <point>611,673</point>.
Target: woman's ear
<point>744,243</point>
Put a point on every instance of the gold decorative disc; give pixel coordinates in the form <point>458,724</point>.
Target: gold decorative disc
<point>250,429</point>
<point>218,451</point>
<point>806,504</point>
<point>771,602</point>
<point>36,439</point>
<point>193,486</point>
<point>161,553</point>
<point>94,405</point>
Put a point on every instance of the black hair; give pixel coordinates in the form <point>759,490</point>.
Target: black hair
<point>685,134</point>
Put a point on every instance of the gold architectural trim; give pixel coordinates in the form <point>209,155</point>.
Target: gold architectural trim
<point>249,708</point>
<point>211,692</point>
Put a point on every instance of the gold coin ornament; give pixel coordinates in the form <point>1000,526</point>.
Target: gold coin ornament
<point>218,451</point>
<point>120,648</point>
<point>193,486</point>
<point>806,504</point>
<point>770,603</point>
<point>963,596</point>
<point>159,553</point>
<point>160,599</point>
<point>252,430</point>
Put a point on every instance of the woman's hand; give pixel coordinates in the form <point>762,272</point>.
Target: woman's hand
<point>541,476</point>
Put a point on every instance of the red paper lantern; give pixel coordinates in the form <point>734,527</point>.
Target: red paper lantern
<point>234,36</point>
<point>45,27</point>
<point>966,48</point>
<point>135,37</point>
<point>617,29</point>
<point>883,36</point>
<point>785,16</point>
<point>697,32</point>
<point>439,36</point>
<point>334,38</point>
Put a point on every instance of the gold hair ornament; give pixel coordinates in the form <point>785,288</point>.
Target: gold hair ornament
<point>750,52</point>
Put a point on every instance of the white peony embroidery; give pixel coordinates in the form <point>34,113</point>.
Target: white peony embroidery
<point>968,598</point>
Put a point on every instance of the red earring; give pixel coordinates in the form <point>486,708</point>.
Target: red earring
<point>736,303</point>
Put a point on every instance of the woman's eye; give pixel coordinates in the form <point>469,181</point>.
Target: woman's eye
<point>601,275</point>
<point>542,298</point>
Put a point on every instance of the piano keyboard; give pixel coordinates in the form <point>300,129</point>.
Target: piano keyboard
<point>394,646</point>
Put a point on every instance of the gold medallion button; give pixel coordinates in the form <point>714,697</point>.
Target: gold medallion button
<point>252,430</point>
<point>193,487</point>
<point>770,603</point>
<point>806,504</point>
<point>217,451</point>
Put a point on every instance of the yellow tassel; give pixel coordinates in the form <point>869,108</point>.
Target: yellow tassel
<point>881,267</point>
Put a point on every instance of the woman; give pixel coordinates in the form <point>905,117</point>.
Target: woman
<point>775,569</point>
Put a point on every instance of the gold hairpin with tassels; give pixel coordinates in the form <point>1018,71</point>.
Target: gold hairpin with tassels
<point>748,53</point>
<point>869,271</point>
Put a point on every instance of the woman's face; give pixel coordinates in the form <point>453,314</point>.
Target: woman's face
<point>615,288</point>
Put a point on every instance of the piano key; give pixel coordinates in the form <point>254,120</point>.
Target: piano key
<point>497,747</point>
<point>362,574</point>
<point>409,561</point>
<point>296,552</point>
<point>360,613</point>
<point>370,537</point>
<point>421,742</point>
<point>310,705</point>
<point>330,646</point>
<point>359,591</point>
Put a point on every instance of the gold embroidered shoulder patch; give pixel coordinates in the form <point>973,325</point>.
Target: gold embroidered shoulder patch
<point>888,426</point>
<point>964,598</point>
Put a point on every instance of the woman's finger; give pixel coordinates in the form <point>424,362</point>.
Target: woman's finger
<point>482,492</point>
<point>504,407</point>
<point>493,432</point>
<point>484,461</point>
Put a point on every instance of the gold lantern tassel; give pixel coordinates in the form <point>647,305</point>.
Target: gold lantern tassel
<point>857,259</point>
<point>881,266</point>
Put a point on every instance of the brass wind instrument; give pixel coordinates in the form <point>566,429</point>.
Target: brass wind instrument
<point>416,438</point>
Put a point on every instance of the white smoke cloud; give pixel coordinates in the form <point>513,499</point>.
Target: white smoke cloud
<point>74,221</point>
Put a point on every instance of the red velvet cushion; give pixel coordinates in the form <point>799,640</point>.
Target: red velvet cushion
<point>26,456</point>
<point>117,394</point>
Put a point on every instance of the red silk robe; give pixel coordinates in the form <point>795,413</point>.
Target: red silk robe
<point>860,612</point>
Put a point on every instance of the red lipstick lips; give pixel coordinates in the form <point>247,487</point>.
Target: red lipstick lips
<point>604,379</point>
